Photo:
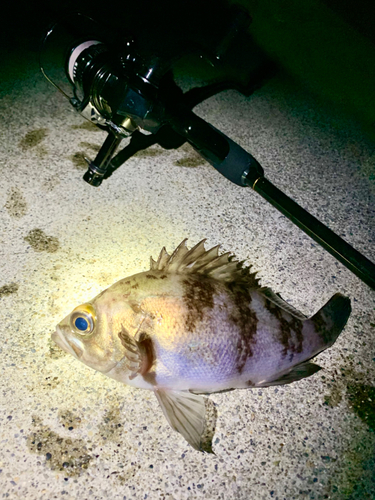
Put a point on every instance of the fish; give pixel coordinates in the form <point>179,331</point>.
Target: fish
<point>198,322</point>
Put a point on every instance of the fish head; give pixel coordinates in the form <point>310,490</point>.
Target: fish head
<point>90,332</point>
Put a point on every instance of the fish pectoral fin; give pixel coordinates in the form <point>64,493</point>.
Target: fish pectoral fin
<point>298,372</point>
<point>139,353</point>
<point>191,415</point>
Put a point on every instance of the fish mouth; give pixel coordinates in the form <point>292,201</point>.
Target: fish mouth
<point>59,338</point>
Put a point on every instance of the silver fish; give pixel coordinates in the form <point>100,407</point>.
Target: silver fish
<point>197,322</point>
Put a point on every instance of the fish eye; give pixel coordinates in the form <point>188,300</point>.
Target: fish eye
<point>83,319</point>
<point>81,324</point>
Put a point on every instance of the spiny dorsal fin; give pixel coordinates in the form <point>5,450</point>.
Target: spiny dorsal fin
<point>207,262</point>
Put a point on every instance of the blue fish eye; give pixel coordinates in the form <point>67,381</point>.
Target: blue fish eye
<point>81,324</point>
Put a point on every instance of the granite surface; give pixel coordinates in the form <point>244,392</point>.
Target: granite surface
<point>68,432</point>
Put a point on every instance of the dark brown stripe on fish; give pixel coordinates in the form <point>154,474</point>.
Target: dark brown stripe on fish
<point>291,343</point>
<point>151,277</point>
<point>198,298</point>
<point>246,321</point>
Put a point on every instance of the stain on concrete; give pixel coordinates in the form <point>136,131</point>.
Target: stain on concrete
<point>359,395</point>
<point>8,289</point>
<point>111,427</point>
<point>148,153</point>
<point>33,138</point>
<point>16,204</point>
<point>54,351</point>
<point>89,145</point>
<point>69,420</point>
<point>41,151</point>
<point>78,160</point>
<point>45,384</point>
<point>361,399</point>
<point>51,382</point>
<point>51,182</point>
<point>352,476</point>
<point>40,242</point>
<point>72,456</point>
<point>86,125</point>
<point>190,162</point>
<point>334,398</point>
<point>190,159</point>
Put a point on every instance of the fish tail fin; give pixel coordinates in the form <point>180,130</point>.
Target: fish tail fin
<point>330,320</point>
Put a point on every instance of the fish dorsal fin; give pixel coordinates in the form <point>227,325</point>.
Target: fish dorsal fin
<point>191,415</point>
<point>280,302</point>
<point>161,262</point>
<point>207,262</point>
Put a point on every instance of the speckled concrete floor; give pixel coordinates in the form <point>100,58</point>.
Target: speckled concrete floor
<point>68,432</point>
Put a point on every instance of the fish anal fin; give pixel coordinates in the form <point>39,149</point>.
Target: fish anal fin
<point>298,372</point>
<point>138,353</point>
<point>193,416</point>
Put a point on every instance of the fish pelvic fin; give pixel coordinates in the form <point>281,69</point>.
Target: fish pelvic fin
<point>207,262</point>
<point>330,320</point>
<point>191,415</point>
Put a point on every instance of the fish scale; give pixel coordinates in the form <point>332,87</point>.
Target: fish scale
<point>197,322</point>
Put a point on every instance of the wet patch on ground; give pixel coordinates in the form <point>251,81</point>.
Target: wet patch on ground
<point>69,420</point>
<point>8,289</point>
<point>72,456</point>
<point>51,382</point>
<point>190,158</point>
<point>190,162</point>
<point>148,153</point>
<point>16,204</point>
<point>41,242</point>
<point>361,399</point>
<point>33,138</point>
<point>51,182</point>
<point>79,161</point>
<point>86,125</point>
<point>45,384</point>
<point>79,158</point>
<point>111,427</point>
<point>54,351</point>
<point>89,145</point>
<point>360,396</point>
<point>352,476</point>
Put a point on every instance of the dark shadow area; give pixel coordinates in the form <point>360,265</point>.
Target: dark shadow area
<point>327,45</point>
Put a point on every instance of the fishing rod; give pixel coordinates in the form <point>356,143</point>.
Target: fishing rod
<point>133,95</point>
